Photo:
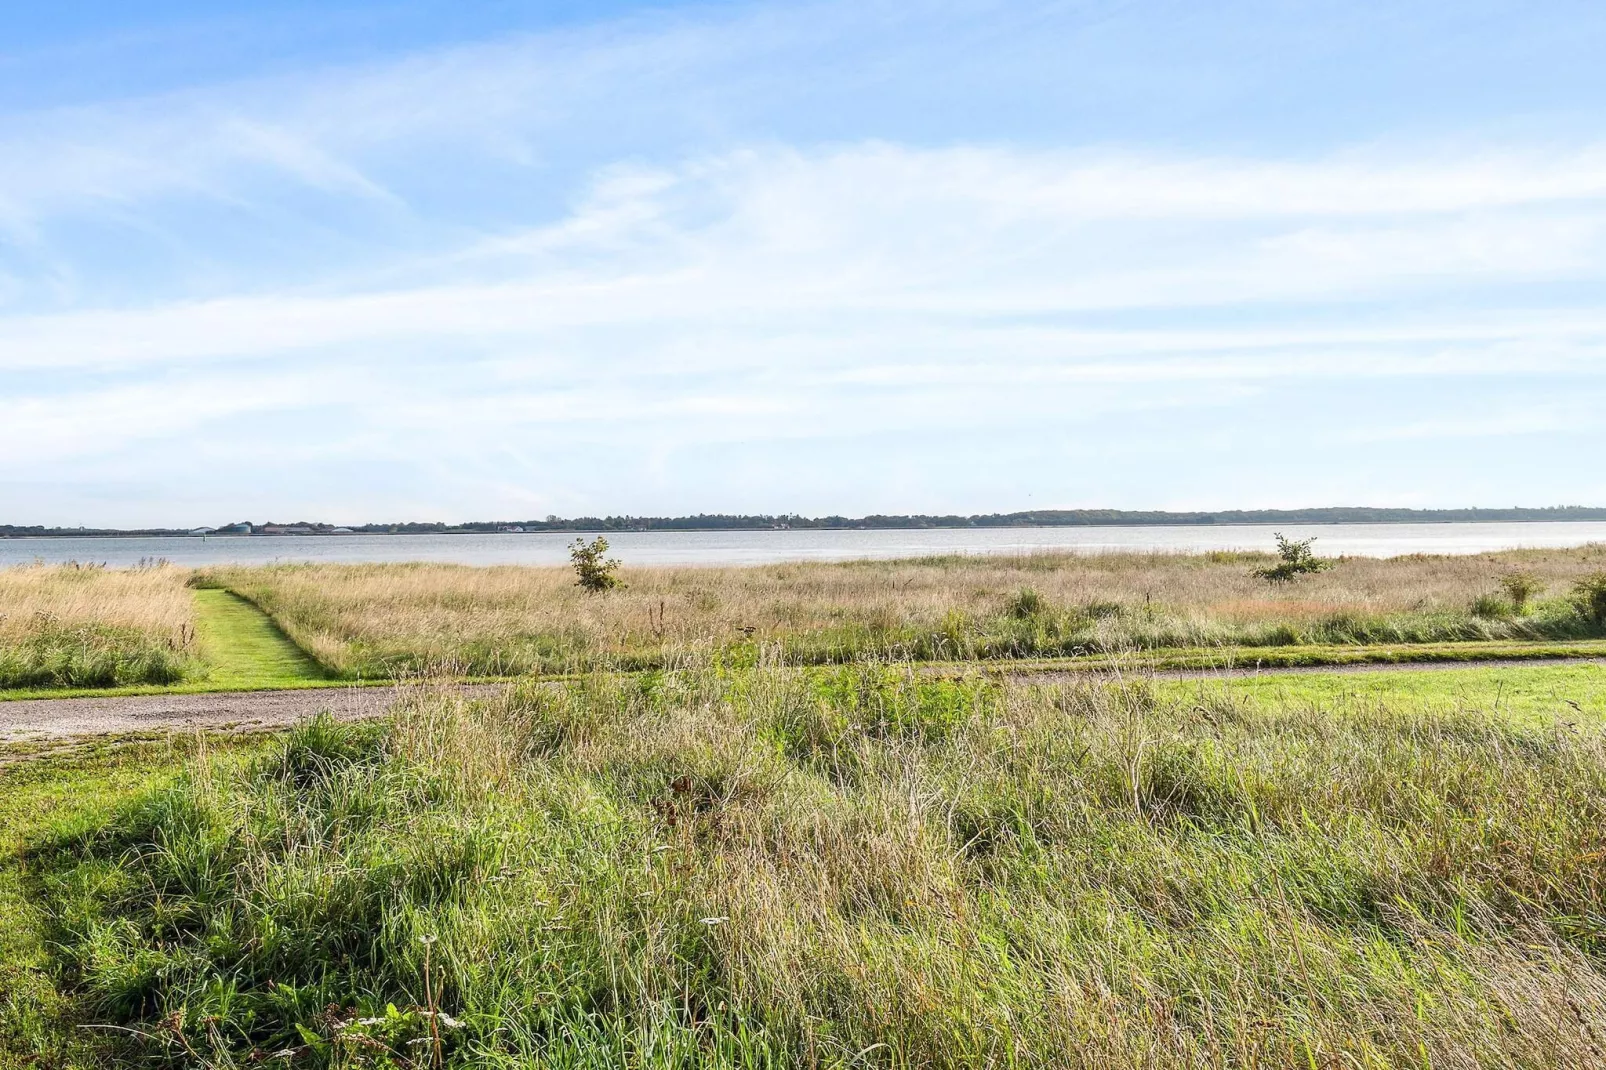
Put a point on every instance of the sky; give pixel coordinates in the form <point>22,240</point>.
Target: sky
<point>365,261</point>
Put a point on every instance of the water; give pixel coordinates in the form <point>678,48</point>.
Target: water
<point>760,547</point>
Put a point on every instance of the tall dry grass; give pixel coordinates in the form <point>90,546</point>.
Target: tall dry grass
<point>382,619</point>
<point>69,625</point>
<point>860,867</point>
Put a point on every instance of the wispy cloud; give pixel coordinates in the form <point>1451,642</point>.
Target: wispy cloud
<point>636,236</point>
<point>770,244</point>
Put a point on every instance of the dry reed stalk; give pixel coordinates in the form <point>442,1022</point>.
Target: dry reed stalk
<point>151,600</point>
<point>425,614</point>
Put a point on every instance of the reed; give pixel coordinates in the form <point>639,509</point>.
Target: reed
<point>381,620</point>
<point>78,626</point>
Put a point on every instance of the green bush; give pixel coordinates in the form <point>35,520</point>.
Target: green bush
<point>594,572</point>
<point>1520,587</point>
<point>1295,559</point>
<point>1591,595</point>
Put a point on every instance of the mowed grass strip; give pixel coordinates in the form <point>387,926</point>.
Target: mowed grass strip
<point>1531,695</point>
<point>244,648</point>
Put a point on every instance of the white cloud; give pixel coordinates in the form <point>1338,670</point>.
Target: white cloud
<point>1493,422</point>
<point>105,419</point>
<point>494,252</point>
<point>764,253</point>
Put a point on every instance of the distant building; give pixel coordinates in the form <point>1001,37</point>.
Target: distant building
<point>341,531</point>
<point>514,528</point>
<point>203,531</point>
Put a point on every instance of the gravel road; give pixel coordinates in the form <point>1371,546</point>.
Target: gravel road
<point>65,718</point>
<point>68,718</point>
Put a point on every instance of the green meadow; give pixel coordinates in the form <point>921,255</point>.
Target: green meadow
<point>855,866</point>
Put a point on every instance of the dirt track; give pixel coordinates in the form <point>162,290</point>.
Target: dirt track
<point>69,718</point>
<point>65,718</point>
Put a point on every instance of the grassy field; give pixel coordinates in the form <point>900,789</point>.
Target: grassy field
<point>77,630</point>
<point>845,867</point>
<point>93,627</point>
<point>381,620</point>
<point>84,630</point>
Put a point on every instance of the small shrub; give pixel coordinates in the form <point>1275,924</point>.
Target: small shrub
<point>1295,559</point>
<point>1520,587</point>
<point>596,573</point>
<point>1026,604</point>
<point>1591,594</point>
<point>1491,606</point>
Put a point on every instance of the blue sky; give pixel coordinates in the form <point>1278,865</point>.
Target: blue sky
<point>364,261</point>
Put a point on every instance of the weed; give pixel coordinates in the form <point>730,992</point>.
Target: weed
<point>1492,607</point>
<point>1025,604</point>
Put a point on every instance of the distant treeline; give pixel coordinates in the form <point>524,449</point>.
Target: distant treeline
<point>731,522</point>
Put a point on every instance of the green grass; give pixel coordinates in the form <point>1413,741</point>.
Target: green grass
<point>90,656</point>
<point>853,867</point>
<point>244,648</point>
<point>1229,657</point>
<point>43,801</point>
<point>1296,657</point>
<point>1538,695</point>
<point>240,649</point>
<point>194,687</point>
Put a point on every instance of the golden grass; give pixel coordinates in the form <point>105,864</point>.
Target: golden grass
<point>370,619</point>
<point>150,600</point>
<point>94,627</point>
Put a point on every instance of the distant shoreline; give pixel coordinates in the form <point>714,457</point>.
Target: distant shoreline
<point>1090,518</point>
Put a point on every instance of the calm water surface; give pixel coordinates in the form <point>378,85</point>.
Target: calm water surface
<point>760,547</point>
